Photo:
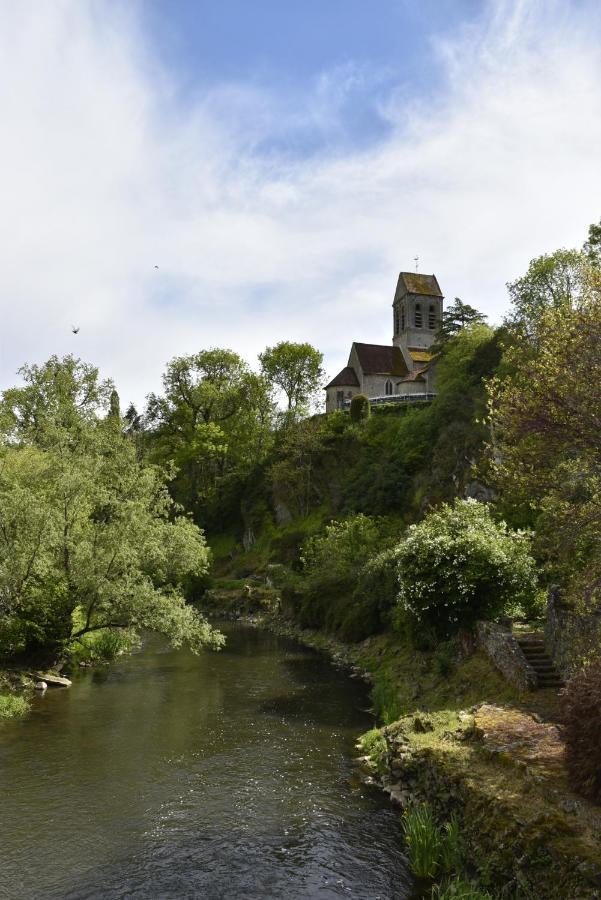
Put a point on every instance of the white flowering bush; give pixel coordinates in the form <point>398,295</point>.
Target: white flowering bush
<point>459,565</point>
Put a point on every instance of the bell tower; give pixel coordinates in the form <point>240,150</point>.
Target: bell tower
<point>416,313</point>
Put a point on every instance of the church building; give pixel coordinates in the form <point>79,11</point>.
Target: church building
<point>405,370</point>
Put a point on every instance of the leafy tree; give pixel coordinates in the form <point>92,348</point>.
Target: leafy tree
<point>545,453</point>
<point>592,247</point>
<point>114,406</point>
<point>553,281</point>
<point>213,422</point>
<point>455,317</point>
<point>459,565</point>
<point>296,369</point>
<point>133,419</point>
<point>87,532</point>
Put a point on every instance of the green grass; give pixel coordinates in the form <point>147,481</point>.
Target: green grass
<point>423,840</point>
<point>12,706</point>
<point>457,889</point>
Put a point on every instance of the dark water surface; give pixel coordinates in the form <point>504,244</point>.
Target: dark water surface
<point>167,775</point>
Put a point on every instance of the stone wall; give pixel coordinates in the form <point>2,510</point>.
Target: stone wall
<point>571,636</point>
<point>503,650</point>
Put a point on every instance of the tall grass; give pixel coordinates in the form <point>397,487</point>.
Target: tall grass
<point>423,840</point>
<point>458,890</point>
<point>12,705</point>
<point>451,847</point>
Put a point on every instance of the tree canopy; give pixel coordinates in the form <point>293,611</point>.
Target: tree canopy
<point>296,369</point>
<point>87,532</point>
<point>455,317</point>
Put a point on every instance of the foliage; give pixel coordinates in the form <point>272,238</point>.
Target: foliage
<point>544,453</point>
<point>423,840</point>
<point>458,565</point>
<point>322,595</point>
<point>373,598</point>
<point>342,548</point>
<point>455,317</point>
<point>373,742</point>
<point>386,702</point>
<point>582,727</point>
<point>592,247</point>
<point>103,645</point>
<point>12,706</point>
<point>360,408</point>
<point>296,369</point>
<point>452,849</point>
<point>554,282</point>
<point>213,422</point>
<point>84,525</point>
<point>458,889</point>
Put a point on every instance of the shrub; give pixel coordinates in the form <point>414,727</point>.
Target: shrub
<point>360,408</point>
<point>582,722</point>
<point>373,598</point>
<point>12,705</point>
<point>458,565</point>
<point>444,659</point>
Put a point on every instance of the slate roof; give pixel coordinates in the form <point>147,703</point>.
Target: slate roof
<point>415,283</point>
<point>346,378</point>
<point>380,359</point>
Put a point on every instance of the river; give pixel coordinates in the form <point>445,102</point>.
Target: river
<point>224,775</point>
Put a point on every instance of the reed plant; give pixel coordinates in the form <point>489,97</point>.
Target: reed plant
<point>423,840</point>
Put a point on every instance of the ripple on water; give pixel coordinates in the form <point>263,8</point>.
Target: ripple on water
<point>221,776</point>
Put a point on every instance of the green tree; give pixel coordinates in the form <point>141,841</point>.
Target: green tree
<point>545,453</point>
<point>214,422</point>
<point>455,317</point>
<point>553,281</point>
<point>296,369</point>
<point>459,565</point>
<point>592,246</point>
<point>87,532</point>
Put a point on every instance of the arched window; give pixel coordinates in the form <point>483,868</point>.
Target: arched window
<point>403,319</point>
<point>418,315</point>
<point>432,317</point>
<point>396,321</point>
<point>388,388</point>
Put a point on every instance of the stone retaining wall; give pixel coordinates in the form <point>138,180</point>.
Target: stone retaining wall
<point>571,637</point>
<point>506,655</point>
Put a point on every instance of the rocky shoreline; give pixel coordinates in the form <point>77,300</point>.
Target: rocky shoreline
<point>498,767</point>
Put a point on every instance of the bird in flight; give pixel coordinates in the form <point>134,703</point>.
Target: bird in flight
<point>75,329</point>
<point>156,267</point>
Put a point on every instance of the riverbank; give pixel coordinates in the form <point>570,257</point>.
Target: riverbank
<point>456,735</point>
<point>16,691</point>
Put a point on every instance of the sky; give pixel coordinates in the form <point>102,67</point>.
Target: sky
<point>280,163</point>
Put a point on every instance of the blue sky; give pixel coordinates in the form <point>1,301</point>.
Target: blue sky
<point>290,49</point>
<point>280,162</point>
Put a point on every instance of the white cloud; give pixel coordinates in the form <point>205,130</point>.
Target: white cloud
<point>103,175</point>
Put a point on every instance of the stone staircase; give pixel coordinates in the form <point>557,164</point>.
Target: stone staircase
<point>533,647</point>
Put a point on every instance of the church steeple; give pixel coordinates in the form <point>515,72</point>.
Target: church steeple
<point>417,313</point>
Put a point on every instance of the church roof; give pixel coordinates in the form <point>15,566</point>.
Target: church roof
<point>420,355</point>
<point>418,375</point>
<point>416,283</point>
<point>380,359</point>
<point>346,378</point>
